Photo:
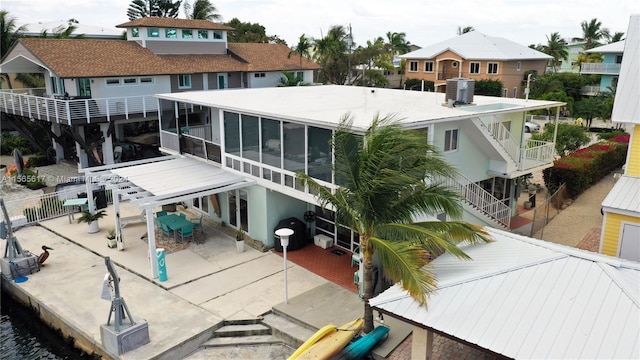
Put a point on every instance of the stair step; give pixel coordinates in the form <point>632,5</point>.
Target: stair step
<point>242,341</point>
<point>291,332</point>
<point>242,330</point>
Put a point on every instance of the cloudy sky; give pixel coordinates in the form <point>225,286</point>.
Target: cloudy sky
<point>424,22</point>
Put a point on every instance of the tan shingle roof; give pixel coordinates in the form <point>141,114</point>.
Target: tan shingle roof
<point>69,58</point>
<point>175,23</point>
<point>270,57</point>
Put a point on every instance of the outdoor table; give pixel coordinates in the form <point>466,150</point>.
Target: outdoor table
<point>70,203</point>
<point>174,222</point>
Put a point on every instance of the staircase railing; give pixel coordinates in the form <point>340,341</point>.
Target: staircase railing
<point>474,195</point>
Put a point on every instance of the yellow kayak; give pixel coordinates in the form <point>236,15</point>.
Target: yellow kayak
<point>331,344</point>
<point>312,340</point>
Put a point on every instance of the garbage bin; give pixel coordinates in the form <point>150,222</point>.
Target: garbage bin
<point>101,199</point>
<point>532,199</point>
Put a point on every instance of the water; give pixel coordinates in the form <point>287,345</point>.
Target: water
<point>24,336</point>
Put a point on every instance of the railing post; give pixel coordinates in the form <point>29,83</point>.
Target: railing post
<point>68,110</point>
<point>87,112</point>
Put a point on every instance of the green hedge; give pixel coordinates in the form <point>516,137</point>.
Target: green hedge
<point>585,167</point>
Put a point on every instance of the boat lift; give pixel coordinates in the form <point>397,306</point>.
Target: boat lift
<point>16,262</point>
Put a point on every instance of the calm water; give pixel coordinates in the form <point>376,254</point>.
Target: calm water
<point>23,336</point>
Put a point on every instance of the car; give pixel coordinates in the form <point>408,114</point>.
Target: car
<point>531,126</point>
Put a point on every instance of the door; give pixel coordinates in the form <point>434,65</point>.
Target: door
<point>84,87</point>
<point>239,209</point>
<point>222,81</point>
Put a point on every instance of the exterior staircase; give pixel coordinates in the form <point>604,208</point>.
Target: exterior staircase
<point>482,202</point>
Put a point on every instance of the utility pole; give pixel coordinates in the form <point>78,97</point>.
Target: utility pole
<point>349,43</point>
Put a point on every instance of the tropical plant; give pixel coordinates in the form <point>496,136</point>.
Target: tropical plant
<point>158,8</point>
<point>568,138</point>
<point>302,48</point>
<point>488,87</point>
<point>592,33</point>
<point>618,36</point>
<point>240,234</point>
<point>111,233</point>
<point>397,44</point>
<point>246,32</point>
<point>331,53</point>
<point>388,176</point>
<point>89,217</point>
<point>9,34</point>
<point>556,47</point>
<point>201,10</point>
<point>464,30</point>
<point>289,79</point>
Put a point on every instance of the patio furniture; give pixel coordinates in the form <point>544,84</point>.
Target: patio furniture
<point>173,222</point>
<point>186,231</point>
<point>166,230</point>
<point>356,257</point>
<point>183,215</point>
<point>70,203</point>
<point>161,214</point>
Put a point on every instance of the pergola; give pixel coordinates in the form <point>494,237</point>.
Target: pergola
<point>151,183</point>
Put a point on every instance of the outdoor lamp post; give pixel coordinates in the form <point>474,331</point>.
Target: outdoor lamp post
<point>284,234</point>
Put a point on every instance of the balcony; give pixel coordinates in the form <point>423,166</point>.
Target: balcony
<point>600,68</point>
<point>77,111</point>
<point>447,75</point>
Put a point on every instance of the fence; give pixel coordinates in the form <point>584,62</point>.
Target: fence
<point>547,210</point>
<point>44,207</point>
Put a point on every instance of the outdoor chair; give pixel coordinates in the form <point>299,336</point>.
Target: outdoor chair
<point>161,214</point>
<point>183,215</point>
<point>166,230</point>
<point>197,227</point>
<point>186,231</point>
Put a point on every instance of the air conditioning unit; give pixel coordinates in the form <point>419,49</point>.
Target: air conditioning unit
<point>460,90</point>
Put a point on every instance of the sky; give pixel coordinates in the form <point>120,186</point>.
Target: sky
<point>424,22</point>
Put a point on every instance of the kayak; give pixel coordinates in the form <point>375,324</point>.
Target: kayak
<point>331,344</point>
<point>327,329</point>
<point>363,346</point>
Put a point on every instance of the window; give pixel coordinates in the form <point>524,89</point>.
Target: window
<point>129,81</point>
<point>146,80</point>
<point>413,66</point>
<point>203,34</point>
<point>113,82</point>
<point>515,92</point>
<point>135,32</point>
<point>428,66</point>
<point>250,137</point>
<point>618,59</point>
<point>171,33</point>
<point>300,75</point>
<point>217,34</point>
<point>271,149</point>
<point>451,140</point>
<point>259,75</point>
<point>505,92</point>
<point>187,34</point>
<point>454,64</point>
<point>474,68</point>
<point>184,81</point>
<point>492,68</point>
<point>153,32</point>
<point>232,133</point>
<point>518,66</point>
<point>201,203</point>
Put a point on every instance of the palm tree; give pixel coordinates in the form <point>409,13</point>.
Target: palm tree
<point>618,36</point>
<point>159,8</point>
<point>331,54</point>
<point>9,33</point>
<point>201,10</point>
<point>398,45</point>
<point>387,176</point>
<point>557,48</point>
<point>592,33</point>
<point>302,48</point>
<point>464,30</point>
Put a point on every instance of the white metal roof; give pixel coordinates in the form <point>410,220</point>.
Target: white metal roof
<point>624,197</point>
<point>325,105</point>
<point>530,299</point>
<point>626,106</point>
<point>475,45</point>
<point>616,47</point>
<point>177,179</point>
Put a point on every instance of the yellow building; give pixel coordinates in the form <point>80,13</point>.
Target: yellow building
<point>621,223</point>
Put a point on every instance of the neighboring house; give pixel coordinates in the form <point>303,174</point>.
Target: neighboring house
<point>95,86</point>
<point>569,64</point>
<point>523,298</point>
<point>253,142</point>
<point>476,56</point>
<point>608,69</point>
<point>621,222</point>
<point>84,30</point>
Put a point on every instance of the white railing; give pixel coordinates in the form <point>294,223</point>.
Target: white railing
<point>74,110</point>
<point>590,90</point>
<point>45,206</point>
<point>532,153</point>
<point>600,68</point>
<point>479,198</point>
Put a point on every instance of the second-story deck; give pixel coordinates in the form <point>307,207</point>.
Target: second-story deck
<point>77,111</point>
<point>600,68</point>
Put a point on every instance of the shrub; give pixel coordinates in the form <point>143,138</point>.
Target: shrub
<point>416,84</point>
<point>585,167</point>
<point>38,160</point>
<point>611,134</point>
<point>488,87</point>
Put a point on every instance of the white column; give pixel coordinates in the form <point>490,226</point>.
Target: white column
<point>83,161</point>
<point>57,129</point>
<point>151,239</point>
<point>107,145</point>
<point>422,344</point>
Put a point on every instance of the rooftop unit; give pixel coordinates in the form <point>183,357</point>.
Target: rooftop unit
<point>460,90</point>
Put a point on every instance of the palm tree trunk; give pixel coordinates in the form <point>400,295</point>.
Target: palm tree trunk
<point>368,290</point>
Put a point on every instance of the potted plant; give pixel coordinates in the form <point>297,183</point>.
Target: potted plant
<point>111,238</point>
<point>240,240</point>
<point>92,219</point>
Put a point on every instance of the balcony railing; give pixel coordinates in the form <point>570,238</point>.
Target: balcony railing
<point>76,111</point>
<point>600,68</point>
<point>447,75</point>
